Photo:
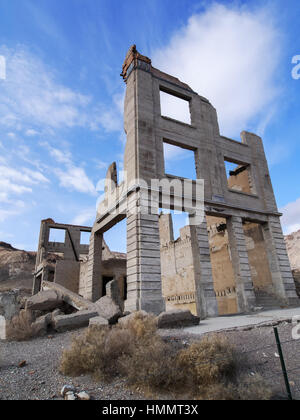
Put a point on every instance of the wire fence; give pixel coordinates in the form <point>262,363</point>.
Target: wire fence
<point>278,363</point>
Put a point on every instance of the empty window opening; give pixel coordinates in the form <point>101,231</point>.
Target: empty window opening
<point>115,237</point>
<point>176,108</point>
<point>259,265</point>
<point>85,238</point>
<point>239,177</point>
<point>222,268</point>
<point>57,235</point>
<point>179,161</point>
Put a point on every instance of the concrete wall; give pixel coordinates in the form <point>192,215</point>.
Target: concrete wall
<point>67,274</point>
<point>177,267</point>
<point>147,130</point>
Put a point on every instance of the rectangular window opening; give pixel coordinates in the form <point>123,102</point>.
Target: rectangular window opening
<point>85,238</point>
<point>179,161</point>
<point>176,108</point>
<point>239,177</point>
<point>57,235</point>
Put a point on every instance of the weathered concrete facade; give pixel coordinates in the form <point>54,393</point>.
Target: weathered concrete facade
<point>222,264</point>
<point>66,263</point>
<point>147,130</point>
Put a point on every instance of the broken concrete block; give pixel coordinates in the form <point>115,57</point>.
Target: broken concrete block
<point>73,299</point>
<point>108,309</point>
<point>40,327</point>
<point>9,304</point>
<point>56,312</point>
<point>2,328</point>
<point>46,300</point>
<point>98,321</point>
<point>177,318</point>
<point>76,320</point>
<point>127,318</point>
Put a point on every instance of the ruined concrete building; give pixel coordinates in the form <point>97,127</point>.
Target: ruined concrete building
<point>66,263</point>
<point>233,261</point>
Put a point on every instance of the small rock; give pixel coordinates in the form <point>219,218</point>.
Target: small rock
<point>277,355</point>
<point>83,396</point>
<point>292,383</point>
<point>22,364</point>
<point>67,388</point>
<point>70,396</point>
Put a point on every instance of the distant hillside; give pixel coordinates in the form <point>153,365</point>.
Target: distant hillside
<point>16,267</point>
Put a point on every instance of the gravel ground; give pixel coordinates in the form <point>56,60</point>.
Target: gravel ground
<point>39,379</point>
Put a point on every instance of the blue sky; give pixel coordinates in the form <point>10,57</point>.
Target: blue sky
<point>62,99</point>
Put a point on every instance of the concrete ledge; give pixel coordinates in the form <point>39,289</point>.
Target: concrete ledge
<point>73,321</point>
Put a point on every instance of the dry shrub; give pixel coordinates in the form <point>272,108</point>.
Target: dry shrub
<point>97,351</point>
<point>209,369</point>
<point>209,361</point>
<point>20,328</point>
<point>248,389</point>
<point>142,327</point>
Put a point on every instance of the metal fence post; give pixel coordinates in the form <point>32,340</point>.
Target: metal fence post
<point>284,371</point>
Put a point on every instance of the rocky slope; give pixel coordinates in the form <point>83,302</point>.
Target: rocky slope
<point>16,267</point>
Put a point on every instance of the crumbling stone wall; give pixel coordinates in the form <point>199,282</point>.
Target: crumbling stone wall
<point>177,267</point>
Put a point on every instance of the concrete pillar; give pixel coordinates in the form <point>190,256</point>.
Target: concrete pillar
<point>282,278</point>
<point>93,287</point>
<point>144,290</point>
<point>206,301</point>
<point>240,263</point>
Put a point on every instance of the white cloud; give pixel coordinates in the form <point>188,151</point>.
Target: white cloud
<point>14,183</point>
<point>31,132</point>
<point>24,176</point>
<point>15,209</point>
<point>230,56</point>
<point>86,216</point>
<point>75,178</point>
<point>71,176</point>
<point>33,95</point>
<point>291,217</point>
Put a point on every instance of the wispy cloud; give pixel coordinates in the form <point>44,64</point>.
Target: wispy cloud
<point>33,98</point>
<point>229,55</point>
<point>71,177</point>
<point>85,216</point>
<point>291,216</point>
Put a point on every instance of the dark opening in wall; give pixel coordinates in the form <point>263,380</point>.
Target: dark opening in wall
<point>174,107</point>
<point>105,280</point>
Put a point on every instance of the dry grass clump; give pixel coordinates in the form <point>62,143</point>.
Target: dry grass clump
<point>247,389</point>
<point>20,327</point>
<point>209,369</point>
<point>209,361</point>
<point>97,351</point>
